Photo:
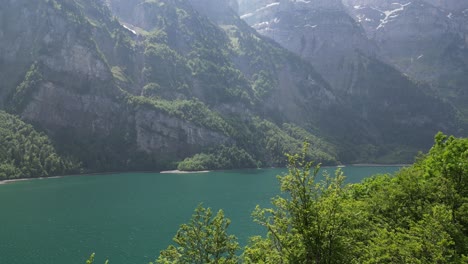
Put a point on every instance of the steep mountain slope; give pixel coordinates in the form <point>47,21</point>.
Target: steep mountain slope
<point>321,32</point>
<point>70,91</point>
<point>324,34</point>
<point>426,39</point>
<point>230,67</point>
<point>271,82</point>
<point>167,79</point>
<point>148,94</point>
<point>55,75</point>
<point>369,124</point>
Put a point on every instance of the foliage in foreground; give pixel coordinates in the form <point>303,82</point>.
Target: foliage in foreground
<point>307,223</point>
<point>203,240</point>
<point>419,215</point>
<point>91,260</point>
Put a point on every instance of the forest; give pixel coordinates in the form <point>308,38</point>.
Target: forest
<point>418,215</point>
<point>26,152</point>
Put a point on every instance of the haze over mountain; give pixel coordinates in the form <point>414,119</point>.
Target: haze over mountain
<point>142,85</point>
<point>426,39</point>
<point>337,37</point>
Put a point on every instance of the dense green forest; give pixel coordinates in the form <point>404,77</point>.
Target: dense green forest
<point>419,215</point>
<point>25,152</point>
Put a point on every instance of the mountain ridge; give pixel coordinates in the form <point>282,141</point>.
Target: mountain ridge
<point>164,80</point>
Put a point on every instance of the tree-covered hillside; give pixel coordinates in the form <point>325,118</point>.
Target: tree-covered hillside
<point>25,152</point>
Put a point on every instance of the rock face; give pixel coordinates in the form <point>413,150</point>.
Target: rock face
<point>321,32</point>
<point>426,39</point>
<point>157,132</point>
<point>324,34</point>
<point>68,65</point>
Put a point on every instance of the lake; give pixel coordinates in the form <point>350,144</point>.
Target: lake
<point>129,217</point>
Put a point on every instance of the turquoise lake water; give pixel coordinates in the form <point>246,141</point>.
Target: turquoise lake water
<point>129,217</point>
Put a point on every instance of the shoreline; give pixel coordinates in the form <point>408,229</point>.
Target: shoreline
<point>182,172</point>
<point>189,172</point>
<point>377,165</point>
<point>14,180</point>
<point>4,182</point>
<point>28,179</point>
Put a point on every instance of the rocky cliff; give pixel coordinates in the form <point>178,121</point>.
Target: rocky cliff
<point>425,39</point>
<point>324,34</point>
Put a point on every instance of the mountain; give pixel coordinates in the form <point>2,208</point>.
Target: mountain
<point>147,93</point>
<point>327,36</point>
<point>425,39</point>
<point>321,32</point>
<point>144,85</point>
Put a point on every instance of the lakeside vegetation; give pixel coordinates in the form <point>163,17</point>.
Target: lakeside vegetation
<point>221,158</point>
<point>418,215</point>
<point>26,153</point>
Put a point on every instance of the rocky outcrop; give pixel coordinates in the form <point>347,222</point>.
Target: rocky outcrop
<point>55,107</point>
<point>157,132</point>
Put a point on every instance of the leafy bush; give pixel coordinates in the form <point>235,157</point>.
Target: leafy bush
<point>221,158</point>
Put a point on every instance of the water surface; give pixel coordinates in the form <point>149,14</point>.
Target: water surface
<point>130,217</point>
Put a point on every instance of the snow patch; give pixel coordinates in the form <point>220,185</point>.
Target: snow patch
<point>449,15</point>
<point>259,10</point>
<point>360,18</point>
<point>420,57</point>
<point>261,24</point>
<point>363,18</point>
<point>246,15</point>
<point>311,26</point>
<point>266,24</point>
<point>391,14</point>
<point>129,29</point>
